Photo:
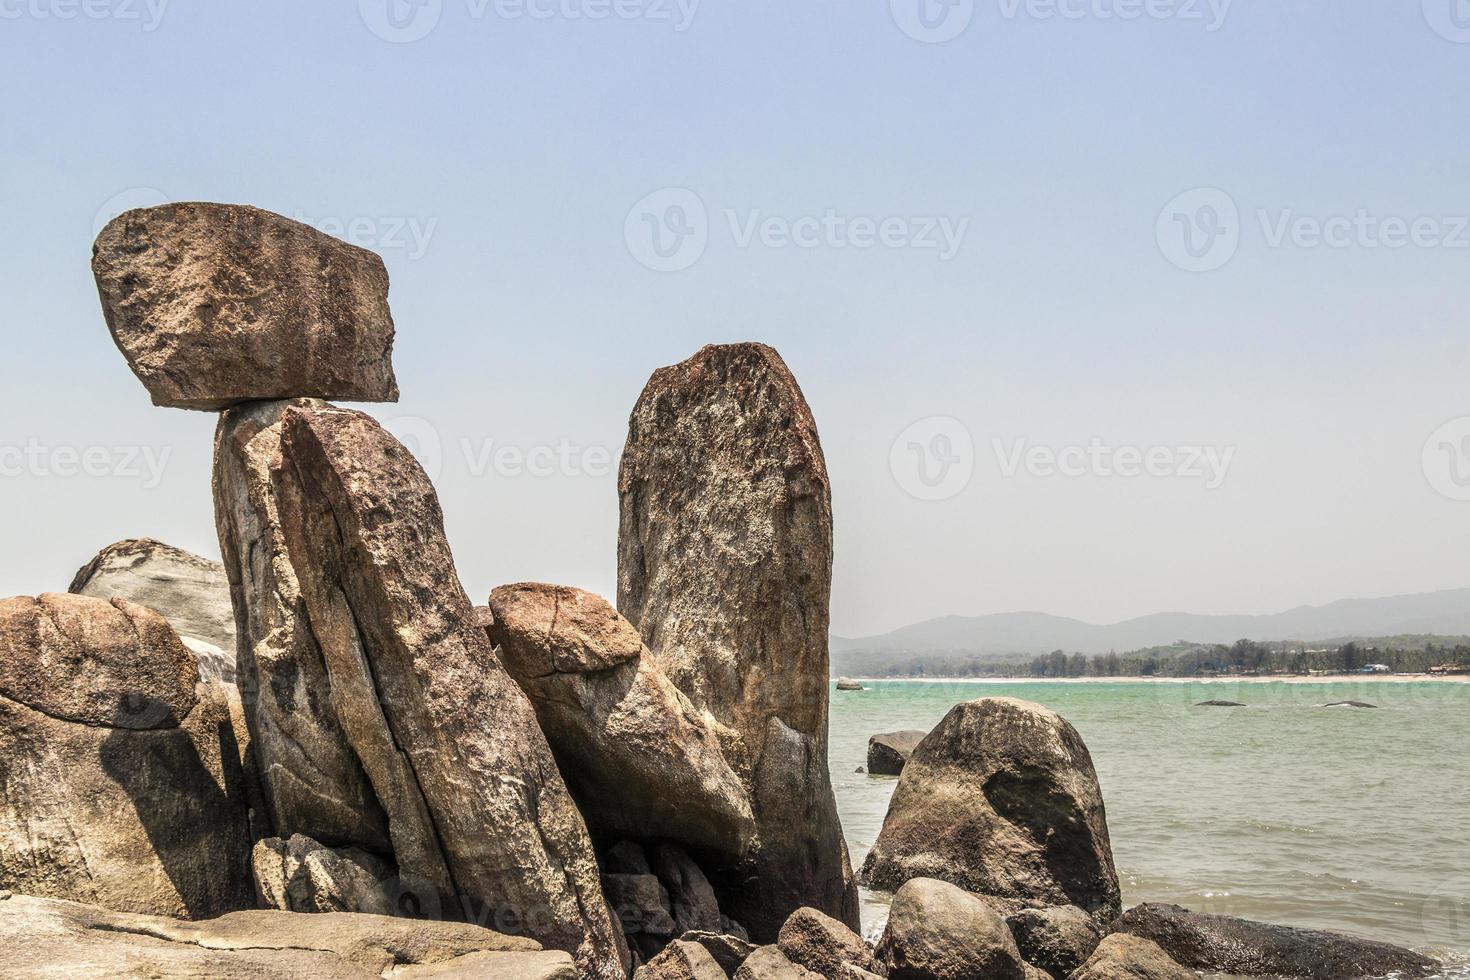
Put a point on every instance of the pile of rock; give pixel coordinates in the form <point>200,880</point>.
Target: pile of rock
<point>341,732</point>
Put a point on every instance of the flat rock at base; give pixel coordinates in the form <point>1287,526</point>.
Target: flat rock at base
<point>301,875</point>
<point>1245,948</point>
<point>120,779</point>
<point>888,752</point>
<point>50,938</point>
<point>725,568</point>
<point>547,965</point>
<point>769,963</point>
<point>450,744</point>
<point>939,932</point>
<point>1001,798</point>
<point>1057,940</point>
<point>1124,957</point>
<point>823,945</point>
<point>681,960</point>
<point>191,592</point>
<point>218,304</point>
<point>639,759</point>
<point>729,951</point>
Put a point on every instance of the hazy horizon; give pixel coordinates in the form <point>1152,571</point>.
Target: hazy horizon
<point>1238,324</point>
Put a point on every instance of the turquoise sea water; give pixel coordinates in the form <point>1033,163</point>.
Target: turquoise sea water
<point>1329,818</point>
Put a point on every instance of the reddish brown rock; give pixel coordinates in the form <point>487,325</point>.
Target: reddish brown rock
<point>1124,957</point>
<point>724,566</point>
<point>217,304</point>
<point>450,744</point>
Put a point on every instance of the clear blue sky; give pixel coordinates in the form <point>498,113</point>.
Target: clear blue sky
<point>517,145</point>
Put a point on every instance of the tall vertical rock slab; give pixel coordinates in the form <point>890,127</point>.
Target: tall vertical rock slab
<point>725,568</point>
<point>120,783</point>
<point>450,744</point>
<point>312,782</point>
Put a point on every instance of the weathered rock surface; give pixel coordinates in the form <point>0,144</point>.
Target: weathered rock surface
<point>725,568</point>
<point>1057,940</point>
<point>638,758</point>
<point>1002,799</point>
<point>59,939</point>
<point>626,858</point>
<point>1245,948</point>
<point>769,963</point>
<point>451,746</point>
<point>1124,957</point>
<point>889,751</point>
<point>312,782</point>
<point>120,781</point>
<point>939,932</point>
<point>681,960</point>
<point>823,945</point>
<point>691,898</point>
<point>217,304</point>
<point>729,951</point>
<point>640,904</point>
<point>300,875</point>
<point>191,592</point>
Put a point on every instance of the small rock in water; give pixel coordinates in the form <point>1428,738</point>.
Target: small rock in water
<point>888,752</point>
<point>848,684</point>
<point>1220,704</point>
<point>1348,704</point>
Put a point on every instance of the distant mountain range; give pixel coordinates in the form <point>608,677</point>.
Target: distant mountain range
<point>1004,636</point>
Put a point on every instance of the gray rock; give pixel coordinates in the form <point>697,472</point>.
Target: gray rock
<point>1348,704</point>
<point>1124,957</point>
<point>640,904</point>
<point>1001,799</point>
<point>725,568</point>
<point>59,939</point>
<point>639,759</point>
<point>626,858</point>
<point>449,742</point>
<point>769,963</point>
<point>311,780</point>
<point>1220,704</point>
<point>729,951</point>
<point>681,960</point>
<point>848,684</point>
<point>191,592</point>
<point>217,304</point>
<point>1245,948</point>
<point>301,875</point>
<point>1057,940</point>
<point>691,898</point>
<point>120,780</point>
<point>939,932</point>
<point>823,945</point>
<point>888,752</point>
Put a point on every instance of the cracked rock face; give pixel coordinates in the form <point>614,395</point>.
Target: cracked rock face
<point>121,779</point>
<point>218,304</point>
<point>312,782</point>
<point>1001,799</point>
<point>64,939</point>
<point>725,568</point>
<point>638,758</point>
<point>477,808</point>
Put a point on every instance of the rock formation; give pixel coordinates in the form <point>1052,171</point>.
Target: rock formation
<point>48,938</point>
<point>1001,799</point>
<point>1055,940</point>
<point>120,782</point>
<point>638,758</point>
<point>300,875</point>
<point>1124,957</point>
<point>476,806</point>
<point>1244,948</point>
<point>724,566</point>
<point>191,592</point>
<point>217,304</point>
<point>936,931</point>
<point>823,945</point>
<point>312,781</point>
<point>769,963</point>
<point>681,961</point>
<point>888,752</point>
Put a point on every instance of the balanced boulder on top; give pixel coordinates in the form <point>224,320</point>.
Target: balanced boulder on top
<point>216,304</point>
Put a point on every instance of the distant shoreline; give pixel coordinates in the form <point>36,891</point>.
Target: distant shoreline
<point>1294,679</point>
